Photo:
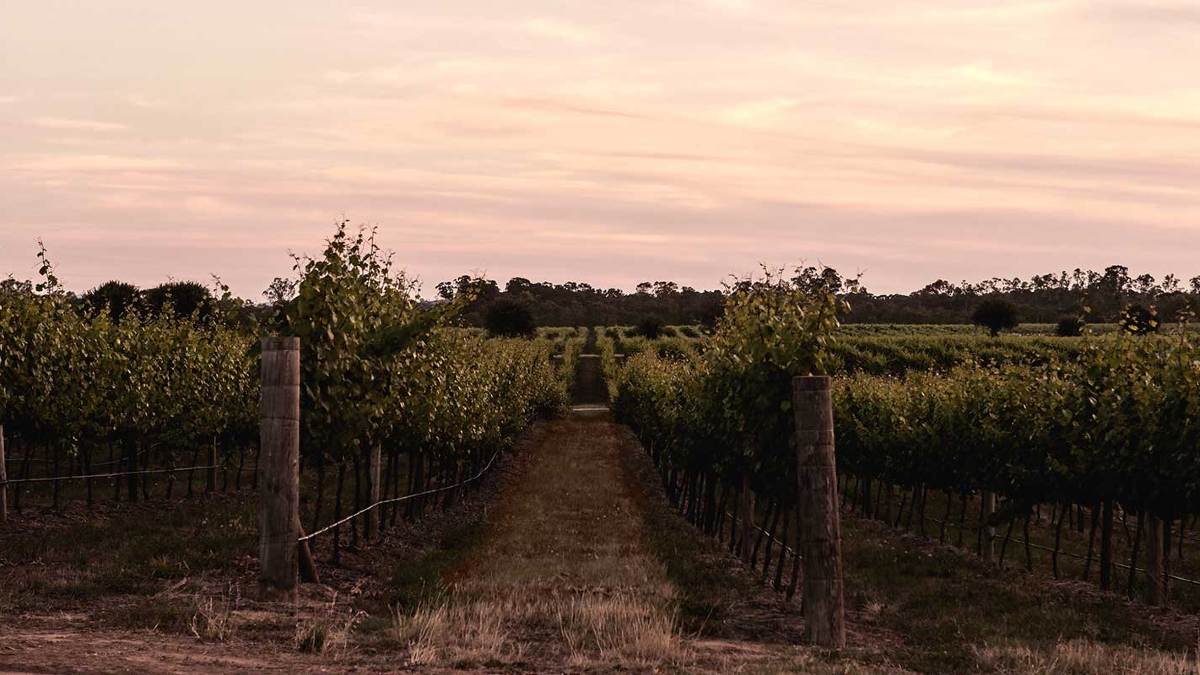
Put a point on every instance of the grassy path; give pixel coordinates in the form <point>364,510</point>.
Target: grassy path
<point>565,577</point>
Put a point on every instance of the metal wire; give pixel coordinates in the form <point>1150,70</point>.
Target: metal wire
<point>1076,556</point>
<point>770,536</point>
<point>49,479</point>
<point>1069,554</point>
<point>38,460</point>
<point>394,500</point>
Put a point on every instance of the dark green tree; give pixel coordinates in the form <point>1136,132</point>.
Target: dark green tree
<point>996,315</point>
<point>113,298</point>
<point>186,298</point>
<point>509,318</point>
<point>1070,326</point>
<point>650,327</point>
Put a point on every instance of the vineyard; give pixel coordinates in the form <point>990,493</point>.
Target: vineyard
<point>146,454</point>
<point>1084,446</point>
<point>148,402</point>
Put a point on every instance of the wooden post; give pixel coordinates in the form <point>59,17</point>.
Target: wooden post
<point>279,484</point>
<point>374,490</point>
<point>1155,592</point>
<point>820,523</point>
<point>988,545</point>
<point>3,481</point>
<point>210,473</point>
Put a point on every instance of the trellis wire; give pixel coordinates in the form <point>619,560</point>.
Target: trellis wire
<point>50,479</point>
<point>1069,554</point>
<point>394,500</point>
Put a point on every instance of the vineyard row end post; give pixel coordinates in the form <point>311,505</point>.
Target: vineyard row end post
<point>374,489</point>
<point>279,466</point>
<point>820,532</point>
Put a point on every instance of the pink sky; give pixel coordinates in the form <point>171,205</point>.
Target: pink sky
<point>609,142</point>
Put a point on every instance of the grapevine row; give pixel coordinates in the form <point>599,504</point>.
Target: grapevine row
<point>380,371</point>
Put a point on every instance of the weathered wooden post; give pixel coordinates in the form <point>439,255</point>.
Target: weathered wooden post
<point>1155,592</point>
<point>374,490</point>
<point>279,484</point>
<point>3,481</point>
<point>820,523</point>
<point>210,474</point>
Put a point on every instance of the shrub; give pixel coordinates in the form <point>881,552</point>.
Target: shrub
<point>1070,326</point>
<point>509,318</point>
<point>995,315</point>
<point>185,298</point>
<point>114,299</point>
<point>650,327</point>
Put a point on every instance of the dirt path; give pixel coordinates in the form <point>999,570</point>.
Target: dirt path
<point>565,579</point>
<point>562,576</point>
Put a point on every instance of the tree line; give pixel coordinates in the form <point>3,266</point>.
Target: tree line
<point>1085,295</point>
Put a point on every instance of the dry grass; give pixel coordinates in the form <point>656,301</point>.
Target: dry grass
<point>1083,656</point>
<point>328,632</point>
<point>442,632</point>
<point>562,575</point>
<point>619,630</point>
<point>213,620</point>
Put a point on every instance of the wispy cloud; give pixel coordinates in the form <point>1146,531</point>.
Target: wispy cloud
<point>561,30</point>
<point>69,124</point>
<point>93,163</point>
<point>1177,14</point>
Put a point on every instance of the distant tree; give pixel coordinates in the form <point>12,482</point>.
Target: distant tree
<point>650,327</point>
<point>517,285</point>
<point>819,280</point>
<point>281,291</point>
<point>664,289</point>
<point>509,318</point>
<point>710,314</point>
<point>1139,320</point>
<point>113,298</point>
<point>186,298</point>
<point>995,315</point>
<point>1070,326</point>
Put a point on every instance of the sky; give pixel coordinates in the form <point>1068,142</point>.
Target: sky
<point>608,142</point>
